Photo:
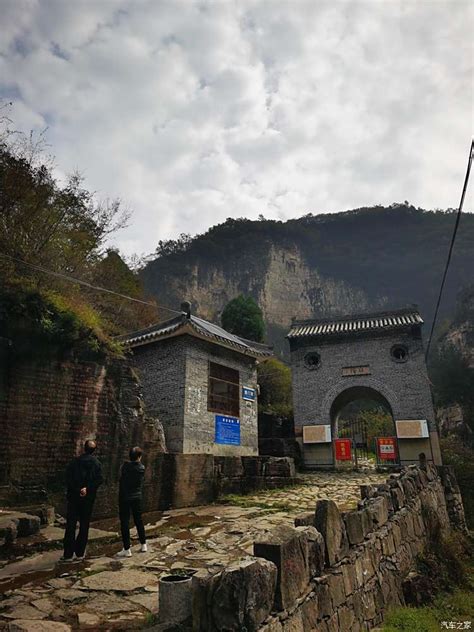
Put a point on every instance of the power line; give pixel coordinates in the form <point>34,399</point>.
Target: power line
<point>67,277</point>
<point>451,246</point>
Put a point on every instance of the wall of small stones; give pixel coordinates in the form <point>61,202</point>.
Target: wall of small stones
<point>332,571</point>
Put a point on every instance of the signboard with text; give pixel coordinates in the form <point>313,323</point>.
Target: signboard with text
<point>248,393</point>
<point>348,371</point>
<point>227,430</point>
<point>387,448</point>
<point>343,449</point>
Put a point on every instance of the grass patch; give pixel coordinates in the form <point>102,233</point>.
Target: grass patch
<point>249,502</point>
<point>456,605</point>
<point>150,620</point>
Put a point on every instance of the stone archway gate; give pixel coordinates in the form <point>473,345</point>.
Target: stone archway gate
<point>381,352</point>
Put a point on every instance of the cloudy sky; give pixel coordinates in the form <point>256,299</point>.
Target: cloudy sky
<point>192,112</point>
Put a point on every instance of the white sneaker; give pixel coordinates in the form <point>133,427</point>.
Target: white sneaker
<point>144,548</point>
<point>124,553</point>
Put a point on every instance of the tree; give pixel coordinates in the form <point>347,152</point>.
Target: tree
<point>274,380</point>
<point>243,317</point>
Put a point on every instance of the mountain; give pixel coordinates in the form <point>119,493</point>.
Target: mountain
<point>355,261</point>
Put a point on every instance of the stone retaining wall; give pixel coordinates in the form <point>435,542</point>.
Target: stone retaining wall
<point>199,479</point>
<point>333,572</point>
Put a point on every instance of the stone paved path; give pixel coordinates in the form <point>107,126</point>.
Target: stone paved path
<point>107,594</point>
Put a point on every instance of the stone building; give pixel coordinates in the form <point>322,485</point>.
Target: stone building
<point>376,356</point>
<point>201,382</point>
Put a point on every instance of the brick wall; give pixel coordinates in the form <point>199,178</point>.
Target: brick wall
<point>404,386</point>
<point>48,409</point>
<point>174,375</point>
<point>199,423</point>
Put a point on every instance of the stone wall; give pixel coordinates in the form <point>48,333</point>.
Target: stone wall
<point>199,422</point>
<point>174,374</point>
<point>48,409</point>
<point>333,572</point>
<point>199,479</point>
<point>404,386</point>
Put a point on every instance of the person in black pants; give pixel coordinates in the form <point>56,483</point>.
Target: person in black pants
<point>83,478</point>
<point>130,500</point>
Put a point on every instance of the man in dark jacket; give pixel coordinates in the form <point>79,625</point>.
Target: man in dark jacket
<point>130,500</point>
<point>83,478</point>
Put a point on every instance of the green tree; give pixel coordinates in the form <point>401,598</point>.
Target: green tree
<point>274,380</point>
<point>243,317</point>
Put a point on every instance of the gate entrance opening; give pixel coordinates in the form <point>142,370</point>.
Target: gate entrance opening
<point>343,361</point>
<point>362,414</point>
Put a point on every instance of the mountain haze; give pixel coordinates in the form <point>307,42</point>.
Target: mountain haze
<point>324,265</point>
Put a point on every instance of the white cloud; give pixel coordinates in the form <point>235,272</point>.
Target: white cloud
<point>194,112</point>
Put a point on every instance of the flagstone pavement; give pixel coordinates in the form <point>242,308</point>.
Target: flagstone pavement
<point>103,593</point>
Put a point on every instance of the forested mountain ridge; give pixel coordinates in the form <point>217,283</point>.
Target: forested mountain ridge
<point>354,261</point>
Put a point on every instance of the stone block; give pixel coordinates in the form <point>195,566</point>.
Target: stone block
<point>228,466</point>
<point>354,526</point>
<point>346,618</point>
<point>336,589</point>
<point>287,548</point>
<point>8,530</point>
<point>201,588</point>
<point>316,551</point>
<point>305,519</point>
<point>294,623</point>
<point>349,577</point>
<point>253,465</point>
<point>408,487</point>
<point>378,510</point>
<point>310,612</point>
<point>27,524</point>
<point>328,522</point>
<point>279,466</point>
<point>26,625</point>
<point>367,491</point>
<point>323,596</point>
<point>272,626</point>
<point>243,595</point>
<point>398,497</point>
<point>193,479</point>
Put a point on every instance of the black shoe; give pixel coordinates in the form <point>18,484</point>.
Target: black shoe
<point>65,559</point>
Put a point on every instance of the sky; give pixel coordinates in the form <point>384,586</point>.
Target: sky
<point>192,112</point>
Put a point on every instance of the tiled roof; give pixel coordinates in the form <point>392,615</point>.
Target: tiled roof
<point>195,327</point>
<point>356,323</point>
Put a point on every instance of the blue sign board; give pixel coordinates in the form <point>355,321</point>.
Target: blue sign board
<point>227,430</point>
<point>248,393</point>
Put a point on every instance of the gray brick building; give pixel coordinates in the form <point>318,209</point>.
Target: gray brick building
<point>373,356</point>
<point>201,382</point>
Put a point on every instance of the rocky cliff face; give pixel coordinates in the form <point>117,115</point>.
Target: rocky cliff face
<point>316,266</point>
<point>461,332</point>
<point>281,281</point>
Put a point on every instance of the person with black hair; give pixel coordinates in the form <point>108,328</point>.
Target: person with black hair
<point>132,474</point>
<point>83,478</point>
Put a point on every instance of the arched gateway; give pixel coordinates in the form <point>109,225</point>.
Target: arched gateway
<point>372,356</point>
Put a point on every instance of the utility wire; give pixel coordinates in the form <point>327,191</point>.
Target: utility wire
<point>451,246</point>
<point>66,277</point>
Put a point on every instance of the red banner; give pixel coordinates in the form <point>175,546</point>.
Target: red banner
<point>387,448</point>
<point>343,449</point>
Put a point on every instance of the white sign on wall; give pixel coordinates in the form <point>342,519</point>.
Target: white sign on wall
<point>317,434</point>
<point>412,428</point>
